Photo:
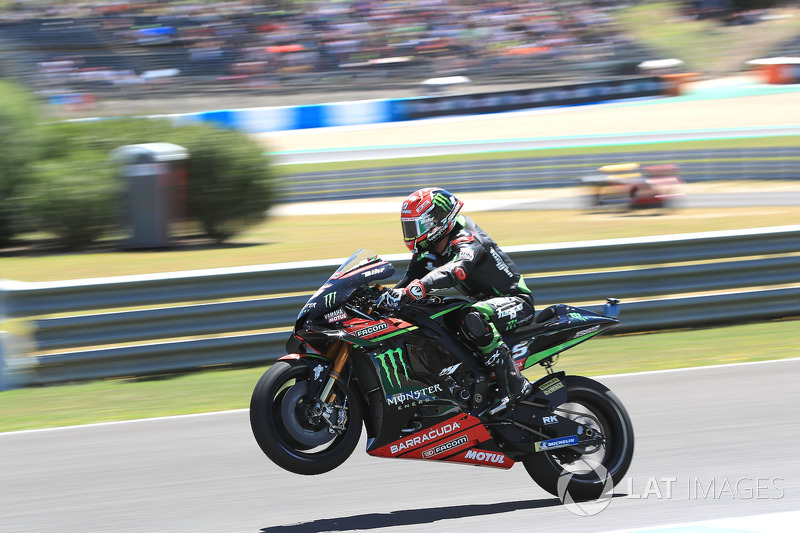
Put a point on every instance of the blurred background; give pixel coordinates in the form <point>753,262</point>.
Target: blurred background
<point>115,58</point>
<point>176,177</point>
<point>143,138</point>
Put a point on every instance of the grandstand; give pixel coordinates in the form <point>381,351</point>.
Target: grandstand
<point>138,50</point>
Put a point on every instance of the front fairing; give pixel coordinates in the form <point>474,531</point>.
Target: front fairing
<point>359,269</point>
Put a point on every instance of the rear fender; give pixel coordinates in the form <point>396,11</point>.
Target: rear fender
<point>536,412</point>
<point>549,390</point>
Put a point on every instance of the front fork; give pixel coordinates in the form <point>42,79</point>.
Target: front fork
<point>339,352</point>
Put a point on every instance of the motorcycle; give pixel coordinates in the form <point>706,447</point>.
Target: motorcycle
<point>421,392</point>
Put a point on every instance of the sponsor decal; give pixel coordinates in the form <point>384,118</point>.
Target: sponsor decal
<point>306,308</point>
<point>373,272</point>
<point>485,457</point>
<point>509,312</point>
<point>469,237</point>
<point>466,254</point>
<point>547,420</point>
<point>586,331</point>
<point>520,349</point>
<point>416,440</point>
<point>500,264</point>
<point>443,201</point>
<point>552,444</point>
<point>370,330</point>
<point>449,370</point>
<point>417,290</point>
<point>317,371</point>
<point>455,443</point>
<point>395,359</point>
<point>415,395</point>
<point>577,316</point>
<point>549,387</point>
<point>335,316</point>
<point>330,298</point>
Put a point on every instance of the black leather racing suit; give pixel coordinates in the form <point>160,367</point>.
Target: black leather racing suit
<point>474,264</point>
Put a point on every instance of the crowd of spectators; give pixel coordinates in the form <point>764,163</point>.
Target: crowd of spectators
<point>259,44</point>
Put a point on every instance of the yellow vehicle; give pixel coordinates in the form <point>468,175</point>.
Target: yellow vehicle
<point>634,186</point>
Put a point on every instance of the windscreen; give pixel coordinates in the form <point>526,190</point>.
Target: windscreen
<point>361,268</point>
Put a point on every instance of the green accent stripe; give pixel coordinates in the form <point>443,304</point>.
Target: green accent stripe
<point>540,356</point>
<point>440,313</point>
<point>390,335</point>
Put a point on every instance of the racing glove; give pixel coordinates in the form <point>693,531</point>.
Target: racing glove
<point>394,298</point>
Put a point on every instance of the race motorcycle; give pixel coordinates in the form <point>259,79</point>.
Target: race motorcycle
<point>421,393</point>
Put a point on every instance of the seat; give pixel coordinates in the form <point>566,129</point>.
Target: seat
<point>546,314</point>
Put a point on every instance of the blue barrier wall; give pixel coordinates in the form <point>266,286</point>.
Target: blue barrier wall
<point>267,119</point>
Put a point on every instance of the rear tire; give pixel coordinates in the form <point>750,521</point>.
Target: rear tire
<point>284,429</point>
<point>583,473</point>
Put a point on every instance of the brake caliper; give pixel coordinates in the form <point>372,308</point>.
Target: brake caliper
<point>327,412</point>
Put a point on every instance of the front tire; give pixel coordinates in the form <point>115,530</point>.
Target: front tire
<point>586,473</point>
<point>287,431</point>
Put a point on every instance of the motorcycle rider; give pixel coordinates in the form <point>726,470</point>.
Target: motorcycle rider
<point>450,250</point>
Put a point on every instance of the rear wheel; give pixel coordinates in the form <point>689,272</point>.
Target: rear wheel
<point>289,427</point>
<point>584,472</point>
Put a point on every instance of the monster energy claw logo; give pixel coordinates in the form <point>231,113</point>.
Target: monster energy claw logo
<point>330,298</point>
<point>443,201</point>
<point>395,359</point>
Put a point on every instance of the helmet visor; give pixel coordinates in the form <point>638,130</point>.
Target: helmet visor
<point>414,228</point>
<point>411,229</point>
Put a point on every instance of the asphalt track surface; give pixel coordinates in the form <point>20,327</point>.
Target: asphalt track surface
<point>712,442</point>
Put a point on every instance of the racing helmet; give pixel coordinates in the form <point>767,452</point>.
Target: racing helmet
<point>427,216</point>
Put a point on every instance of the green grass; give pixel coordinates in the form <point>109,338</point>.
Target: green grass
<point>295,238</point>
<point>208,391</point>
<point>625,149</point>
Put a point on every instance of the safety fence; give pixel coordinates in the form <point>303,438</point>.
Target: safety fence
<point>236,316</point>
<point>694,165</point>
<point>266,119</point>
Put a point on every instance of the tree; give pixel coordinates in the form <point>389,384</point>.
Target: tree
<point>19,145</point>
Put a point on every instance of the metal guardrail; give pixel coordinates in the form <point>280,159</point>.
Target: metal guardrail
<point>520,171</point>
<point>38,298</point>
<point>257,348</point>
<point>653,267</point>
<point>270,313</point>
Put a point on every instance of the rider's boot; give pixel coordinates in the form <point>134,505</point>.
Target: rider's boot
<point>511,384</point>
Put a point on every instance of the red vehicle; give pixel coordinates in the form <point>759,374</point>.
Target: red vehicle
<point>632,186</point>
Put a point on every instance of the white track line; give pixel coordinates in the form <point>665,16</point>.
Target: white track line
<point>173,417</point>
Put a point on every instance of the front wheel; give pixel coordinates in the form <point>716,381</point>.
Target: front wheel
<point>587,472</point>
<point>288,425</point>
